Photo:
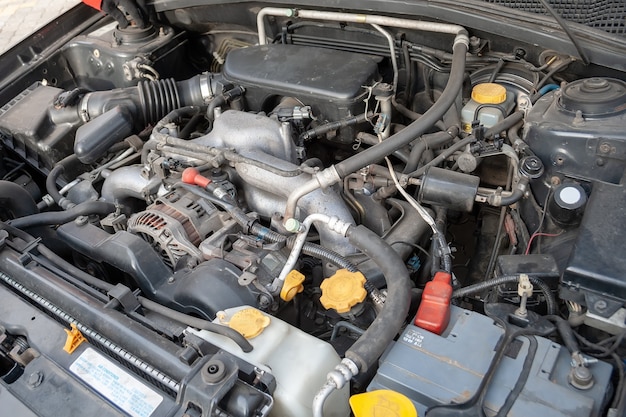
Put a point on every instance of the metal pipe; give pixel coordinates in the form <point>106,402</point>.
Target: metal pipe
<point>355,18</point>
<point>320,398</point>
<point>332,223</point>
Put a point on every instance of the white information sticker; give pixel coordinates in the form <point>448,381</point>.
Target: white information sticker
<point>115,384</point>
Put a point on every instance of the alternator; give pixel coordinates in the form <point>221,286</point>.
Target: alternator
<point>176,224</point>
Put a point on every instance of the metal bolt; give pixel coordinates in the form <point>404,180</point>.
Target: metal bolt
<point>605,147</point>
<point>81,220</point>
<point>555,180</point>
<point>580,377</point>
<point>171,280</point>
<point>35,379</point>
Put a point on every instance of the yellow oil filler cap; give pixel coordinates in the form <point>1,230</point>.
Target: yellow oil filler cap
<point>382,403</point>
<point>343,290</point>
<point>250,322</point>
<point>292,286</point>
<point>489,93</point>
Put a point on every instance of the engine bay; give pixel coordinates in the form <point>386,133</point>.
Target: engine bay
<point>301,212</point>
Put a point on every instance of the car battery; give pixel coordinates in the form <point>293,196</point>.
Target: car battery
<point>432,370</point>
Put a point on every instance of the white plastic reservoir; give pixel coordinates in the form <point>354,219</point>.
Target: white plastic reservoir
<point>298,361</point>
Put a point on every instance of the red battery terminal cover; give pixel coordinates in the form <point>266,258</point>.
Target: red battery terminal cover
<point>96,4</point>
<point>433,313</point>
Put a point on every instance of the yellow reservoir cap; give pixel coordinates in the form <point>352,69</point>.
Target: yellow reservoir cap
<point>489,93</point>
<point>292,286</point>
<point>343,290</point>
<point>250,322</point>
<point>382,403</point>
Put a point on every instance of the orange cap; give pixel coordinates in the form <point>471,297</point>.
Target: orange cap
<point>489,93</point>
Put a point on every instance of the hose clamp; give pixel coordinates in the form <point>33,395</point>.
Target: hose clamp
<point>328,177</point>
<point>462,38</point>
<point>83,111</point>
<point>205,87</point>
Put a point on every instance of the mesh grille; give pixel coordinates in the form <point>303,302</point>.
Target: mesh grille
<point>606,15</point>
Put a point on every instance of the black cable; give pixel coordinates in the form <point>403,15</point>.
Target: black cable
<point>416,246</point>
<point>522,379</point>
<point>485,285</point>
<point>603,351</point>
<point>199,323</point>
<point>545,79</point>
<point>87,208</point>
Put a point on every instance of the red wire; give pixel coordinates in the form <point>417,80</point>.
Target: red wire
<point>530,241</point>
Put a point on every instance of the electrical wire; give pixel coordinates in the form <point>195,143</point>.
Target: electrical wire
<point>536,234</point>
<point>444,249</point>
<point>413,245</point>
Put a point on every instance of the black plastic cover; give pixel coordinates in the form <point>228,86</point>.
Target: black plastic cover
<point>597,266</point>
<point>329,81</point>
<point>96,136</point>
<point>26,127</point>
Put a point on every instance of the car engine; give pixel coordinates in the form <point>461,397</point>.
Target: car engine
<point>276,211</point>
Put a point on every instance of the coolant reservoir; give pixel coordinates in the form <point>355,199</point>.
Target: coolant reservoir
<point>298,361</point>
<point>490,103</point>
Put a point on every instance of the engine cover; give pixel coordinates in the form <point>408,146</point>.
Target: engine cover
<point>295,71</point>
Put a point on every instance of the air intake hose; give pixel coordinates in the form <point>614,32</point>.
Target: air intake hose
<point>149,101</point>
<point>111,116</point>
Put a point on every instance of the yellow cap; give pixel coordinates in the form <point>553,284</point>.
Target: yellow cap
<point>250,322</point>
<point>489,93</point>
<point>382,403</point>
<point>343,290</point>
<point>292,286</point>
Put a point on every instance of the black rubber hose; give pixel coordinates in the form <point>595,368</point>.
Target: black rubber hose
<point>174,115</point>
<point>417,128</point>
<point>329,127</point>
<point>512,199</point>
<point>218,101</point>
<point>566,332</point>
<point>481,286</point>
<point>71,269</point>
<point>516,196</point>
<point>222,99</point>
<point>324,254</point>
<point>191,125</point>
<point>51,182</point>
<point>434,140</point>
<point>505,124</point>
<point>100,208</point>
<point>196,322</point>
<point>368,348</point>
<point>443,156</point>
<point>16,200</point>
